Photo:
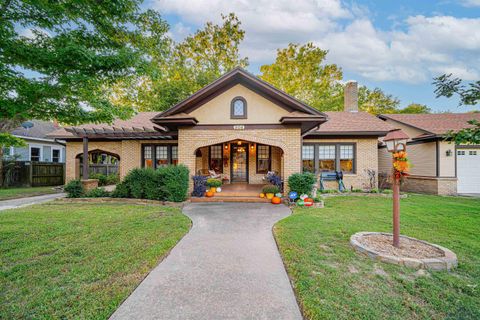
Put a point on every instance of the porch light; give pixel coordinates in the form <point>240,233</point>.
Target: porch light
<point>448,153</point>
<point>396,140</point>
<point>252,146</point>
<point>239,142</point>
<point>226,146</point>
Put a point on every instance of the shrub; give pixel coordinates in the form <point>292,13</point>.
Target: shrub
<point>102,179</point>
<point>97,193</point>
<point>173,182</point>
<point>166,183</point>
<point>275,180</point>
<point>112,179</point>
<point>74,189</point>
<point>141,183</point>
<point>374,190</point>
<point>387,191</point>
<point>356,190</point>
<point>121,191</point>
<point>199,186</point>
<point>214,183</point>
<point>271,189</point>
<point>302,183</point>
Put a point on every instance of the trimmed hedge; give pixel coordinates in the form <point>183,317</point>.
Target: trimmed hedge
<point>302,183</point>
<point>168,183</point>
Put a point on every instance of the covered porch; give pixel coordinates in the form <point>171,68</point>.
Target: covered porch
<point>241,165</point>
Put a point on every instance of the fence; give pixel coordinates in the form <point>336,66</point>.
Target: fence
<point>105,169</point>
<point>34,174</point>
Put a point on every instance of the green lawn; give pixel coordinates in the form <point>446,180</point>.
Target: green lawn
<point>331,281</point>
<point>14,193</point>
<point>66,261</point>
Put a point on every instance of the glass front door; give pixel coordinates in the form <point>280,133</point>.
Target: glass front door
<point>239,161</point>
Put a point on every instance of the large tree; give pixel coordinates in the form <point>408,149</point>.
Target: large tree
<point>301,71</point>
<point>58,59</point>
<point>185,67</point>
<point>376,101</point>
<point>469,94</point>
<point>415,108</point>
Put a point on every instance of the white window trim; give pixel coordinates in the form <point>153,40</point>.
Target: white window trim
<point>39,146</point>
<point>59,154</point>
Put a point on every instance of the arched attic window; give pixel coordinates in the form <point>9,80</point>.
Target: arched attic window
<point>238,108</point>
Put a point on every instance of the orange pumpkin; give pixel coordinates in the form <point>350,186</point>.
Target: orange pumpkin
<point>209,194</point>
<point>276,200</point>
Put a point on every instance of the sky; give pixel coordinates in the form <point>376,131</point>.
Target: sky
<point>398,46</point>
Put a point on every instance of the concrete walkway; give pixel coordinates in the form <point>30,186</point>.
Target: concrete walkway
<point>23,202</point>
<point>226,267</point>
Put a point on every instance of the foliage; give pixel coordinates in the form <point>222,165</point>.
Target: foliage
<point>376,101</point>
<point>121,191</point>
<point>469,135</point>
<point>58,59</point>
<point>64,259</point>
<point>348,282</point>
<point>415,108</point>
<point>142,183</point>
<point>174,182</point>
<point>329,191</point>
<point>271,189</point>
<point>214,183</point>
<point>446,86</point>
<point>74,189</point>
<point>180,69</point>
<point>97,193</point>
<point>300,71</point>
<point>168,183</point>
<point>199,186</point>
<point>7,140</point>
<point>302,183</point>
<point>387,191</point>
<point>105,180</point>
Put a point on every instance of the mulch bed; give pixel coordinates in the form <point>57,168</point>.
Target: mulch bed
<point>383,244</point>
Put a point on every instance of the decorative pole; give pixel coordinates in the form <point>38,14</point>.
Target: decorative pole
<point>396,141</point>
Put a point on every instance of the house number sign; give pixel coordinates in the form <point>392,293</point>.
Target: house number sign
<point>239,127</point>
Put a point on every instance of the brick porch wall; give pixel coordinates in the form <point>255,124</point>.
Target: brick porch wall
<point>288,139</point>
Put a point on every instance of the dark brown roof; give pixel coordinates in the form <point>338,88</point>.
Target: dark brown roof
<point>438,123</point>
<point>228,80</point>
<point>137,126</point>
<point>352,123</point>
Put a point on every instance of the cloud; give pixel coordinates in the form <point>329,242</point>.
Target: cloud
<point>413,51</point>
<point>471,3</point>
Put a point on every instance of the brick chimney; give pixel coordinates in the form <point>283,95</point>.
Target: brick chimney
<point>351,96</point>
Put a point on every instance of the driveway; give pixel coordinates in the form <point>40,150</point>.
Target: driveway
<point>226,267</point>
<point>23,202</point>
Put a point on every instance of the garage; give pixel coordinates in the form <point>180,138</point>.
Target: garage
<point>468,170</point>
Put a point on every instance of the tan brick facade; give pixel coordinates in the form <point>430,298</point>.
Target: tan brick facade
<point>430,185</point>
<point>129,151</point>
<point>287,139</point>
<point>366,158</point>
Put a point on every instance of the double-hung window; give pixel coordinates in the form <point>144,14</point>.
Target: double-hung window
<point>263,158</point>
<point>216,158</point>
<point>35,154</point>
<point>308,158</point>
<point>55,155</point>
<point>328,157</point>
<point>156,156</point>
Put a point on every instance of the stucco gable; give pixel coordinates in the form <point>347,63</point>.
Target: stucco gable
<point>259,109</point>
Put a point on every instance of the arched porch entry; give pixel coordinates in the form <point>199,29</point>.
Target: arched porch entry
<point>99,162</point>
<point>239,161</point>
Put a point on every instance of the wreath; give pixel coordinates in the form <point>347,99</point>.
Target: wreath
<point>401,165</point>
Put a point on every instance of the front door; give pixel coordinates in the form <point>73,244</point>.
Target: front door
<point>239,161</point>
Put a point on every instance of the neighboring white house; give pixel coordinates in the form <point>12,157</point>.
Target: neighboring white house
<point>40,148</point>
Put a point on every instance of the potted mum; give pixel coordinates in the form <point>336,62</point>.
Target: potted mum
<point>270,191</point>
<point>213,184</point>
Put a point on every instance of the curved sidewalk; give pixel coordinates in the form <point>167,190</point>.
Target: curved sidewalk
<point>23,202</point>
<point>226,267</point>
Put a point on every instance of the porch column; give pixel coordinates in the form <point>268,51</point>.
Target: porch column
<point>85,158</point>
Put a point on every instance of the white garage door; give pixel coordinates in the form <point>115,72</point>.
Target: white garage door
<point>468,170</point>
